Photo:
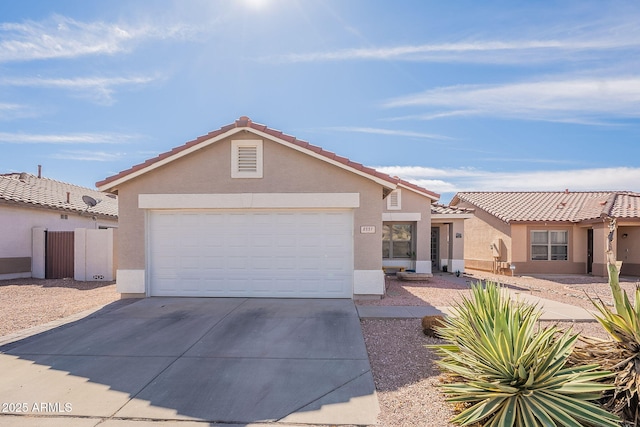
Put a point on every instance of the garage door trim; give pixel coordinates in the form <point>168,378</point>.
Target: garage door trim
<point>250,201</point>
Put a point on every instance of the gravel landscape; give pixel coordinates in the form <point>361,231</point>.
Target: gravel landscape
<point>404,371</point>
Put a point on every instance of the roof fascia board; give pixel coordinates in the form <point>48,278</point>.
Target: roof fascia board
<point>31,206</point>
<point>169,159</point>
<point>112,185</point>
<point>430,196</point>
<point>544,222</point>
<point>450,216</point>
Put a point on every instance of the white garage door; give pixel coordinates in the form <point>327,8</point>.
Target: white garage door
<point>295,254</point>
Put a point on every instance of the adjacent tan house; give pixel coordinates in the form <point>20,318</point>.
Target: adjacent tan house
<point>247,211</point>
<point>550,232</point>
<point>49,231</point>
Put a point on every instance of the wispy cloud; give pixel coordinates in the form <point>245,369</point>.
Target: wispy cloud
<point>10,111</point>
<point>489,51</point>
<point>464,179</point>
<point>63,37</point>
<point>577,100</point>
<point>100,89</point>
<point>64,139</point>
<point>390,132</point>
<point>615,30</point>
<point>89,156</point>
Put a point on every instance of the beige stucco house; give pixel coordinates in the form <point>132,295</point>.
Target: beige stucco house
<point>249,211</point>
<point>35,214</point>
<point>550,232</point>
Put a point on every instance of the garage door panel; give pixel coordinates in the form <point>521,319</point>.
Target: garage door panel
<point>266,253</point>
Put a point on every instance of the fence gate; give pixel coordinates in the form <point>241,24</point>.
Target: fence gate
<point>59,254</point>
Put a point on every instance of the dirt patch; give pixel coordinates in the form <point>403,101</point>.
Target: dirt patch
<point>25,303</point>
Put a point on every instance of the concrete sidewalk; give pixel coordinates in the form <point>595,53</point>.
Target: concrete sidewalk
<point>551,310</point>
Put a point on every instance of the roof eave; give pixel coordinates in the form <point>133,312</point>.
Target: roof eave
<point>111,184</point>
<point>426,193</point>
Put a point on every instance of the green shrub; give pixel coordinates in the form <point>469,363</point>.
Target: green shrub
<point>510,372</point>
<point>621,354</point>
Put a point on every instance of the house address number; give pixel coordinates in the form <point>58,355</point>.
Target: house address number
<point>367,229</point>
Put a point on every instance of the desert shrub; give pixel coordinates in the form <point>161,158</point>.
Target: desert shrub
<point>621,354</point>
<point>510,372</point>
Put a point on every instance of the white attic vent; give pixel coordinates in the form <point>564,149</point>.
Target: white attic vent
<point>394,200</point>
<point>246,159</point>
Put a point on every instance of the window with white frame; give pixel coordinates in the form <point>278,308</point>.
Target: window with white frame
<point>397,240</point>
<point>246,158</point>
<point>549,245</point>
<point>394,200</point>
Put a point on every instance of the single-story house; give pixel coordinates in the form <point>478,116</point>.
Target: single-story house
<point>38,219</point>
<point>247,211</point>
<point>562,232</point>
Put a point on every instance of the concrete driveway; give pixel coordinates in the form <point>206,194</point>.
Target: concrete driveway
<point>231,361</point>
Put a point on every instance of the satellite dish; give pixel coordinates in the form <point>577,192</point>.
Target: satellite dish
<point>89,201</point>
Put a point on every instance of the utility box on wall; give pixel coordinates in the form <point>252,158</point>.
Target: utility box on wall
<point>94,255</point>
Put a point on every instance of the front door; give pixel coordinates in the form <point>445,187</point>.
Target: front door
<point>435,248</point>
<point>590,251</point>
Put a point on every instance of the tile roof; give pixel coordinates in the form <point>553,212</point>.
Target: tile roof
<point>554,206</point>
<point>246,123</point>
<point>438,209</point>
<point>626,205</point>
<point>29,190</point>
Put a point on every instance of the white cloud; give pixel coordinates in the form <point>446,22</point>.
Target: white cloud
<point>579,100</point>
<point>455,180</point>
<point>71,138</point>
<point>86,155</point>
<point>390,132</point>
<point>12,111</point>
<point>488,51</point>
<point>63,37</point>
<point>574,36</point>
<point>99,89</point>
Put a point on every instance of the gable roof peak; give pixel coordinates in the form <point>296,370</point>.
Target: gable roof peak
<point>110,184</point>
<point>243,122</point>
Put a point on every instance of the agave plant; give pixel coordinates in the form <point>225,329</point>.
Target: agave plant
<point>510,372</point>
<point>622,355</point>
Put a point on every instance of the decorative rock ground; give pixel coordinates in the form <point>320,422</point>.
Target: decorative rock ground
<point>409,276</point>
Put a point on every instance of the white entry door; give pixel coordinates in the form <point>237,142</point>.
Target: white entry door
<point>259,253</point>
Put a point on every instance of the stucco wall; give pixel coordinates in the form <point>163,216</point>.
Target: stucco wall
<point>521,250</point>
<point>16,226</point>
<point>480,232</point>
<point>628,249</point>
<point>417,205</point>
<point>286,170</point>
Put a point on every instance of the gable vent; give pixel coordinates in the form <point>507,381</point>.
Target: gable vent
<point>394,200</point>
<point>247,159</point>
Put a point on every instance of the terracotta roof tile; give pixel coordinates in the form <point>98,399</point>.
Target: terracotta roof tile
<point>245,121</point>
<point>626,205</point>
<point>29,190</point>
<point>437,209</point>
<point>553,206</point>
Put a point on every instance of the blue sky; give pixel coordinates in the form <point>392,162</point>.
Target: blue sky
<point>454,96</point>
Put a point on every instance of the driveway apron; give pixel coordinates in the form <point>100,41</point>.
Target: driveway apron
<point>224,360</point>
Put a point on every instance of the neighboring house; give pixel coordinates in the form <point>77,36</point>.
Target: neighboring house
<point>249,211</point>
<point>550,232</point>
<point>36,216</point>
